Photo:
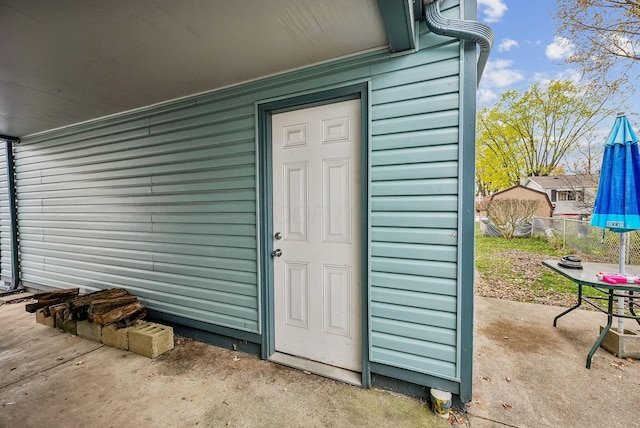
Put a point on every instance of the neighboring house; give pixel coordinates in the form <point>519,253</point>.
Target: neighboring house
<point>545,208</point>
<point>481,205</point>
<point>312,203</point>
<point>571,195</point>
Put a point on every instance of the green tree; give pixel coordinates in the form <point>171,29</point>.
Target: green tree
<point>606,37</point>
<point>530,133</point>
<point>498,165</point>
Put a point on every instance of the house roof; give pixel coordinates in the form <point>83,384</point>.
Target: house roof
<point>69,61</point>
<point>481,205</point>
<point>565,181</point>
<point>519,186</point>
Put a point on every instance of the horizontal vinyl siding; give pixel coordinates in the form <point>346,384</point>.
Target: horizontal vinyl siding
<point>161,201</point>
<point>5,219</point>
<point>163,205</point>
<point>414,204</point>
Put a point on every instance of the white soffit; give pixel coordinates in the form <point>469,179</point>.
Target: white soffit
<point>67,61</point>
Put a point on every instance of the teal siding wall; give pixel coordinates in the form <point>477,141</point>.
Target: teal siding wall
<point>414,209</point>
<point>5,219</point>
<point>163,202</point>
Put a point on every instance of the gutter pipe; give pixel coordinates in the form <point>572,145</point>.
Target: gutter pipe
<point>460,29</point>
<point>9,138</point>
<point>11,189</point>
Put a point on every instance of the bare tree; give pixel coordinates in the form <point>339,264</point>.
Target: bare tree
<point>588,157</point>
<point>508,214</point>
<point>584,170</point>
<point>606,36</point>
<point>583,187</point>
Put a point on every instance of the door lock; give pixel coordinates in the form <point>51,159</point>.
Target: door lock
<point>278,236</point>
<point>276,253</point>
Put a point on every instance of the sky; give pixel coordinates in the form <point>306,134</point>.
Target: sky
<point>526,48</point>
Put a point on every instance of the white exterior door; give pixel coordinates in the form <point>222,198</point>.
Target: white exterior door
<point>316,210</point>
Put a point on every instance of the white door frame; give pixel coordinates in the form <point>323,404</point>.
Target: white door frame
<point>265,223</point>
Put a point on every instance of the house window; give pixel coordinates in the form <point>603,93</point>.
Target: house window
<point>570,195</point>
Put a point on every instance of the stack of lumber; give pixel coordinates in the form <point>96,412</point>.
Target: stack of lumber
<point>104,307</point>
<point>52,298</point>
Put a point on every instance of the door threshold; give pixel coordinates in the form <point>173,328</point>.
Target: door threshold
<point>335,373</point>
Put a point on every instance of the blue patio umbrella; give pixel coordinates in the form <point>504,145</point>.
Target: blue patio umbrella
<point>617,205</point>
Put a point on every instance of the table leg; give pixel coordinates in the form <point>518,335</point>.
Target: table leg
<point>555,320</point>
<point>632,305</point>
<point>605,330</point>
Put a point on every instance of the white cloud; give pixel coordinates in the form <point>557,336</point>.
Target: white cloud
<point>623,46</point>
<point>570,74</point>
<point>499,74</point>
<point>561,48</point>
<point>507,44</point>
<point>493,10</point>
<point>485,96</point>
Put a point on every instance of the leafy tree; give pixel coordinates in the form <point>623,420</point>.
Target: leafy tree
<point>498,164</point>
<point>530,133</point>
<point>509,214</point>
<point>606,36</point>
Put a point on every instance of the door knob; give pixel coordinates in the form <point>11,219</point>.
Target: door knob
<point>276,253</point>
<point>278,236</point>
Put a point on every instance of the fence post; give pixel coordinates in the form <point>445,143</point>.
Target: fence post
<point>564,233</point>
<point>627,248</point>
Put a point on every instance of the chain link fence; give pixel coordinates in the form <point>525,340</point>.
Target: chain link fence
<point>579,236</point>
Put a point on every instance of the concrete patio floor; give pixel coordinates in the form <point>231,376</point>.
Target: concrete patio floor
<point>529,374</point>
<point>53,379</point>
<point>526,374</point>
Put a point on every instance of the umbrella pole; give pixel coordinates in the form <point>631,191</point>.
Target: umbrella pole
<point>621,268</point>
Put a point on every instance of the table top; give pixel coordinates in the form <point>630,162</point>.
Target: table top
<point>587,275</point>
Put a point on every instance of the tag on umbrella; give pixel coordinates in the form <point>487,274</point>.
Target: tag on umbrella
<point>615,224</point>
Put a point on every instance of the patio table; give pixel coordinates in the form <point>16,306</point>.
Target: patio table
<point>586,277</point>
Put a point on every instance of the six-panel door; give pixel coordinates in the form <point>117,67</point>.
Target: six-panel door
<point>316,204</point>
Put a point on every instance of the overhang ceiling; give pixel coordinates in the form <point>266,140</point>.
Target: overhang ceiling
<point>67,61</point>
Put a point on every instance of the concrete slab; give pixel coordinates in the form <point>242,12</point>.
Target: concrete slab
<point>529,374</point>
<point>28,348</point>
<point>67,326</point>
<point>88,330</point>
<point>116,337</point>
<point>150,339</point>
<point>43,319</point>
<point>194,384</point>
<point>624,345</point>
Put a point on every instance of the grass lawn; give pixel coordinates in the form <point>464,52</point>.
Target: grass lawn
<point>513,270</point>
